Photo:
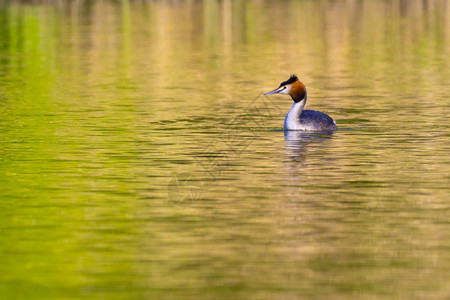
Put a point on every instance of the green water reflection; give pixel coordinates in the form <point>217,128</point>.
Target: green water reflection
<point>139,159</point>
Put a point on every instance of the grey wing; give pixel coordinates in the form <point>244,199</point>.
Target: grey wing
<point>317,119</point>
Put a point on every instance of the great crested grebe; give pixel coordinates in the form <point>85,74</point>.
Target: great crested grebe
<point>297,118</point>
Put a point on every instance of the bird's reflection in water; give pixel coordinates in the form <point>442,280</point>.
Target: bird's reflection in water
<point>304,151</point>
<point>297,141</point>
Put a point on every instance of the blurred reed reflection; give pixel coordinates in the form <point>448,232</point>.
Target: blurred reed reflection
<point>110,108</point>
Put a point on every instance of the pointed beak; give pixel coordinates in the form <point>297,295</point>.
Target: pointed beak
<point>278,90</point>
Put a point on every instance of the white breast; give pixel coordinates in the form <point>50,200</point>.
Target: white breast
<point>292,120</point>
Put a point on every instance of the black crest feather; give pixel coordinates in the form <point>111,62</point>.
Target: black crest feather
<point>291,79</point>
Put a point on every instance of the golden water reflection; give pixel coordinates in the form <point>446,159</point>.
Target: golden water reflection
<point>107,108</point>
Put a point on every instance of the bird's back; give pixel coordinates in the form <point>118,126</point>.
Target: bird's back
<point>316,120</point>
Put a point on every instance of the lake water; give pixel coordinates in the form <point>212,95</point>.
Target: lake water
<point>140,160</point>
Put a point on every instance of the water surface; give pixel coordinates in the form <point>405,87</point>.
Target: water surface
<point>139,159</point>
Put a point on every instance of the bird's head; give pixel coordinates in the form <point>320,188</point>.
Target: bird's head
<point>292,87</point>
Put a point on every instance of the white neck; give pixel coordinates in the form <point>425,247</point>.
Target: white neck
<point>292,121</point>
